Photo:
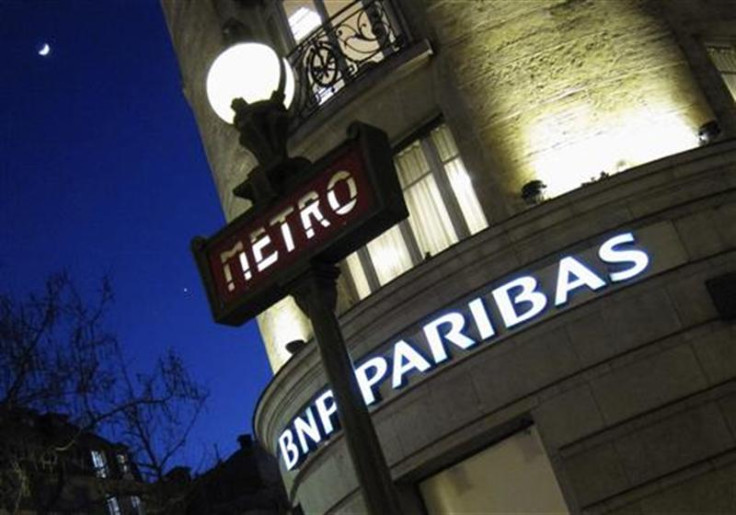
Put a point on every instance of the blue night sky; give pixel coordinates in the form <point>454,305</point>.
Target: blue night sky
<point>103,172</point>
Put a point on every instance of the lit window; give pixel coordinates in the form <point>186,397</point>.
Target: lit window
<point>113,506</point>
<point>390,250</point>
<point>135,502</point>
<point>333,42</point>
<point>123,464</point>
<point>428,217</point>
<point>303,21</point>
<point>100,463</point>
<point>48,460</point>
<point>443,209</point>
<point>724,58</point>
<point>513,476</point>
<point>360,281</point>
<point>460,181</point>
<point>304,16</point>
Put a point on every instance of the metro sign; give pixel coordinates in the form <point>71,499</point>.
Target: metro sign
<point>337,205</point>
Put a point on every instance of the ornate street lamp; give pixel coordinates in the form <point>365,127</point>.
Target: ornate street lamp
<point>250,87</point>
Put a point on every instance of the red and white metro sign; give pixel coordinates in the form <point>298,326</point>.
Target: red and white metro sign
<point>340,203</point>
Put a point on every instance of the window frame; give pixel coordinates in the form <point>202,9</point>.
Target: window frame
<point>313,94</point>
<point>103,469</point>
<point>437,170</point>
<point>286,27</point>
<point>292,43</point>
<point>136,504</point>
<point>714,46</point>
<point>492,440</point>
<point>123,464</point>
<point>113,506</point>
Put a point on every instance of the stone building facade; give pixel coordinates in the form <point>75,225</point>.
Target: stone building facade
<point>246,482</point>
<point>49,465</point>
<point>551,328</point>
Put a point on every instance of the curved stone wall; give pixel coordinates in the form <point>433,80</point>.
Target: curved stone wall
<point>555,90</point>
<point>630,386</point>
<point>611,371</point>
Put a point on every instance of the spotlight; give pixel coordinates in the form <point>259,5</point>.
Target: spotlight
<point>295,346</point>
<point>533,192</point>
<point>709,132</point>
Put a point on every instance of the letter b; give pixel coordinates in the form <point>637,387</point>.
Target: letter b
<point>289,451</point>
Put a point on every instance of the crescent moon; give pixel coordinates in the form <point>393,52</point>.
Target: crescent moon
<point>45,50</point>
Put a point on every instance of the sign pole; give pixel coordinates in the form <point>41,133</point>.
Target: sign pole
<point>306,217</point>
<point>315,293</point>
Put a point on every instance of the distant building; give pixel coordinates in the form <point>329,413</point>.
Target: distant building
<point>552,329</point>
<point>48,465</point>
<point>246,483</point>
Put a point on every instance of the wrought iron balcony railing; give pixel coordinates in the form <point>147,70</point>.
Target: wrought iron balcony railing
<point>343,49</point>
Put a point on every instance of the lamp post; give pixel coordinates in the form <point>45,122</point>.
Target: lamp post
<point>250,87</point>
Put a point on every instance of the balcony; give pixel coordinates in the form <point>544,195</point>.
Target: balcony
<point>341,51</point>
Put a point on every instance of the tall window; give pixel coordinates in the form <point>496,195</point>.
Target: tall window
<point>334,42</point>
<point>724,58</point>
<point>304,16</point>
<point>443,209</point>
<point>100,463</point>
<point>123,464</point>
<point>137,505</point>
<point>113,506</point>
<point>513,476</point>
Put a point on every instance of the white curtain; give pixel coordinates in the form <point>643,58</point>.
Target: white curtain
<point>428,216</point>
<point>357,273</point>
<point>443,142</point>
<point>460,181</point>
<point>429,219</point>
<point>389,255</point>
<point>465,194</point>
<point>725,60</point>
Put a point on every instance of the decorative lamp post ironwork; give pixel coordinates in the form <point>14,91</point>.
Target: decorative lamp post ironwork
<point>251,87</point>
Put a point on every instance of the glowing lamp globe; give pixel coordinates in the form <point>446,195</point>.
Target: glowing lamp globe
<point>251,71</point>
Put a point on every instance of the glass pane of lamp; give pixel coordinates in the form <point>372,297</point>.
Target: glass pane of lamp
<point>303,17</point>
<point>389,255</point>
<point>460,181</point>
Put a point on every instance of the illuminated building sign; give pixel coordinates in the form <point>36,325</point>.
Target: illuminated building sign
<point>340,203</point>
<point>498,308</point>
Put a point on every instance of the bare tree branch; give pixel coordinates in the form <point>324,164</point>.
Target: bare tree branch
<point>57,356</point>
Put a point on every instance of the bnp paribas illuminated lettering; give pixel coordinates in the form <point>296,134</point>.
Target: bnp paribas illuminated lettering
<point>464,327</point>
